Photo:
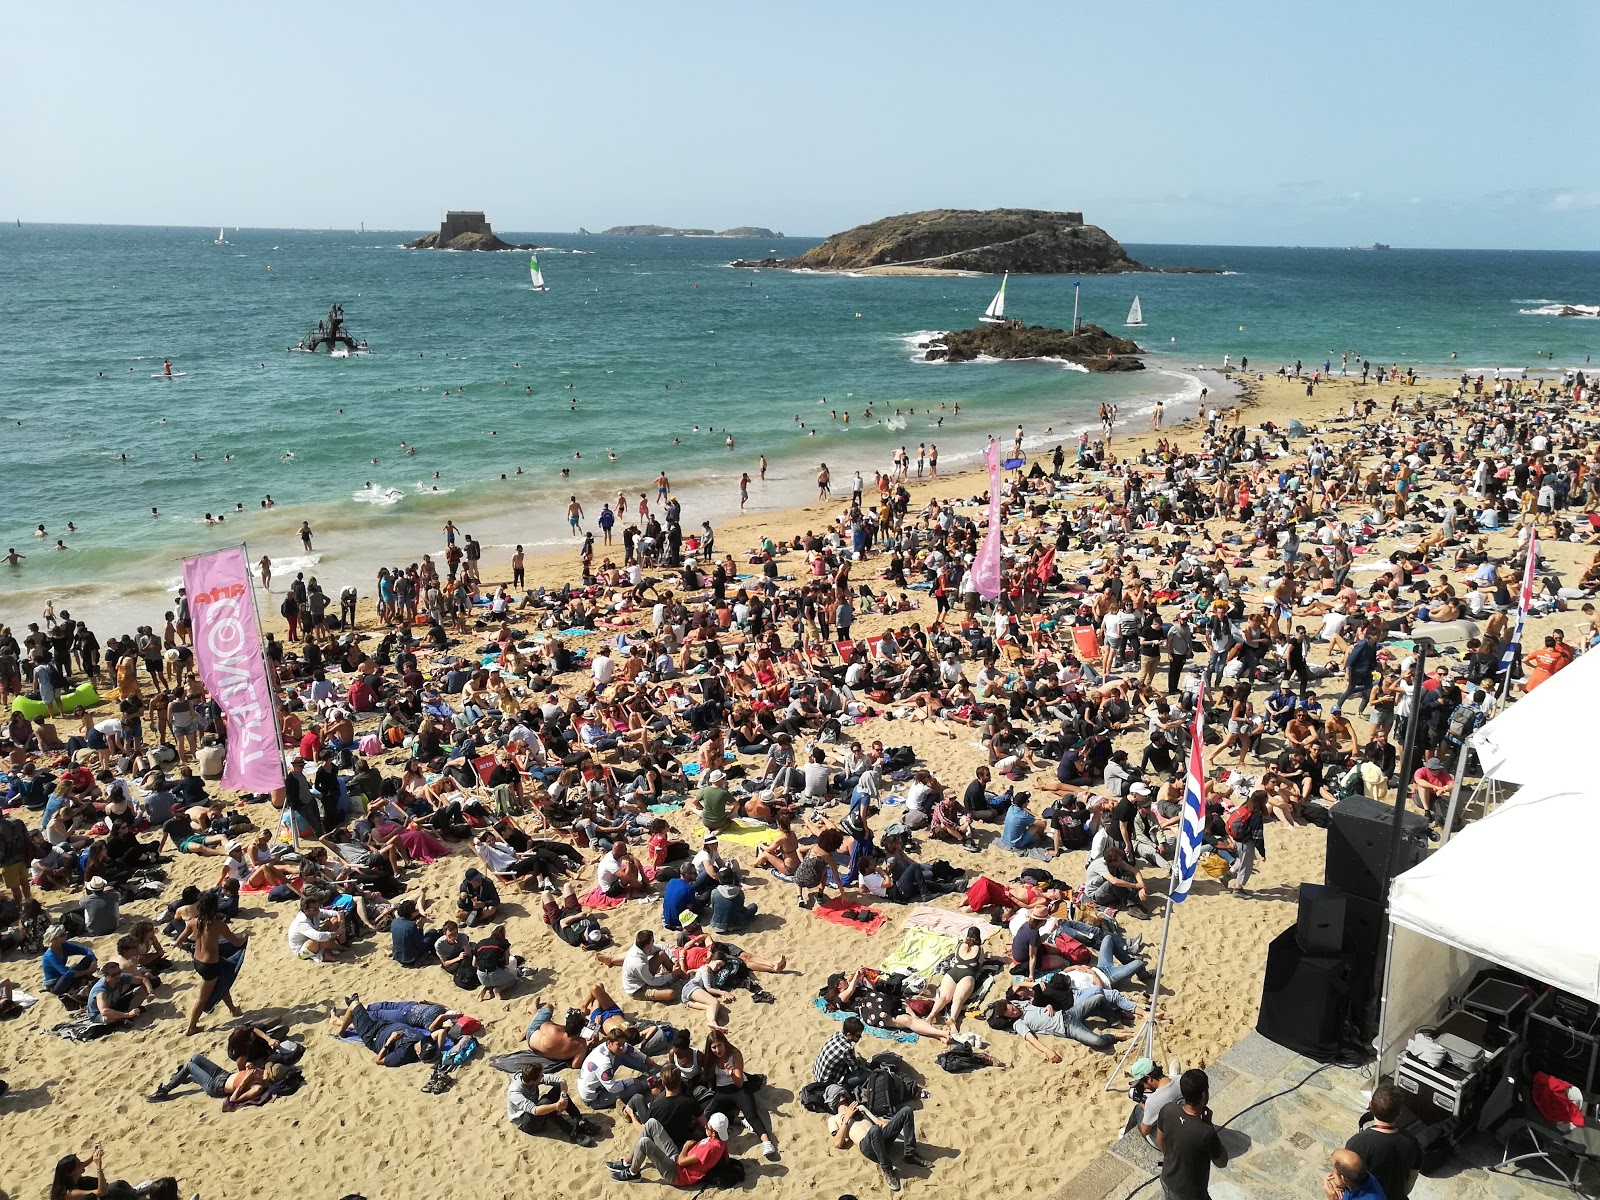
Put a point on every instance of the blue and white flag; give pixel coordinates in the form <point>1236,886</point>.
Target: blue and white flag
<point>1194,791</point>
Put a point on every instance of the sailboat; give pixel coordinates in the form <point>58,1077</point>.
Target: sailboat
<point>995,314</point>
<point>221,239</point>
<point>1135,315</point>
<point>536,275</point>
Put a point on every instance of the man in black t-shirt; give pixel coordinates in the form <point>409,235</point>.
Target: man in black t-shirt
<point>1188,1141</point>
<point>1393,1157</point>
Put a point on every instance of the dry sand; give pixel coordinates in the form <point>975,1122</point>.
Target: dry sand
<point>356,1127</point>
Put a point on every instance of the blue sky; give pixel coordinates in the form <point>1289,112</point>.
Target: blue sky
<point>1410,122</point>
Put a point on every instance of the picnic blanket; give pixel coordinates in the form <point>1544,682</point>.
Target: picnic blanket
<point>893,1035</point>
<point>834,910</point>
<point>952,924</point>
<point>742,832</point>
<point>919,951</point>
<point>662,810</point>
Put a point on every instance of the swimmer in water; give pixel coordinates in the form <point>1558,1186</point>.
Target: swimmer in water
<point>39,532</point>
<point>729,442</point>
<point>530,389</point>
<point>611,454</point>
<point>58,546</point>
<point>566,472</point>
<point>196,456</point>
<point>577,454</point>
<point>436,474</point>
<point>287,456</point>
<point>227,458</point>
<point>154,512</point>
<point>123,457</point>
<point>71,528</point>
<point>374,463</point>
<point>519,470</point>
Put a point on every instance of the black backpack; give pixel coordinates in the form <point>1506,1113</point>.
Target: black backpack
<point>959,1060</point>
<point>728,1173</point>
<point>890,1085</point>
<point>813,1097</point>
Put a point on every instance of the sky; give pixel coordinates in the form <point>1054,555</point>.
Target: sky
<point>1410,122</point>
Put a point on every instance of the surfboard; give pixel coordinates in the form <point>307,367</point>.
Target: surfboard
<point>164,375</point>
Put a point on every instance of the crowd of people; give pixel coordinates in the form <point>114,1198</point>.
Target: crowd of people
<point>602,742</point>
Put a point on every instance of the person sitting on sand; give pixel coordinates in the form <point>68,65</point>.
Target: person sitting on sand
<point>818,868</point>
<point>647,971</point>
<point>63,977</point>
<point>498,969</point>
<point>117,998</point>
<point>315,934</point>
<point>782,855</point>
<point>600,1080</point>
<point>478,901</point>
<point>535,1104</point>
<point>687,1167</point>
<point>966,970</point>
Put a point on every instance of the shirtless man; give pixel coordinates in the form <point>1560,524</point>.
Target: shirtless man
<point>574,514</point>
<point>557,1042</point>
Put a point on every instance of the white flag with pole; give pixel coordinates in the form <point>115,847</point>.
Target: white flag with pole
<point>1508,660</point>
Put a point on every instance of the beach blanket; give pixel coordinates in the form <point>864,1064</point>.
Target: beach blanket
<point>514,1062</point>
<point>284,1087</point>
<point>596,898</point>
<point>742,832</point>
<point>919,951</point>
<point>574,632</point>
<point>952,924</point>
<point>662,810</point>
<point>834,910</point>
<point>893,1035</point>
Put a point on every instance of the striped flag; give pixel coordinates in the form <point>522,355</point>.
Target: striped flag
<point>1514,647</point>
<point>1194,791</point>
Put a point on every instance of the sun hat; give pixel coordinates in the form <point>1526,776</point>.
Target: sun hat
<point>96,884</point>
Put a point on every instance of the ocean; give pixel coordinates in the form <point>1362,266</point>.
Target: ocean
<point>664,348</point>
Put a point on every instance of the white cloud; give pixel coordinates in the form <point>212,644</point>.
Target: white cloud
<point>1566,200</point>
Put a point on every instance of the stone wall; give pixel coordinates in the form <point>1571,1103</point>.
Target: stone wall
<point>457,223</point>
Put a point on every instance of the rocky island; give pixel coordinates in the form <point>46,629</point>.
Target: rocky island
<point>1025,240</point>
<point>464,231</point>
<point>738,231</point>
<point>1091,347</point>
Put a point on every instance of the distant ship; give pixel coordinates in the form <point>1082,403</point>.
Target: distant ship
<point>1374,246</point>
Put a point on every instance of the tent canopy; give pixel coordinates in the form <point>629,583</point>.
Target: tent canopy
<point>1516,888</point>
<point>1548,736</point>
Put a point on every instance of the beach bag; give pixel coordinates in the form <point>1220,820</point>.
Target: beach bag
<point>464,976</point>
<point>1071,949</point>
<point>1214,866</point>
<point>960,1060</point>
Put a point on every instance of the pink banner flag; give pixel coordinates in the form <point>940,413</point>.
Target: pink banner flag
<point>986,570</point>
<point>227,650</point>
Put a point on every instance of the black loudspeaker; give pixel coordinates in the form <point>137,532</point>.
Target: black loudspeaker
<point>1320,929</point>
<point>1305,999</point>
<point>1358,846</point>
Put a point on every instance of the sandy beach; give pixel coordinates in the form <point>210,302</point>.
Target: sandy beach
<point>356,1128</point>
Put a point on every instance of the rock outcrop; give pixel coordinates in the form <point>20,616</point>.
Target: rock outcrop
<point>737,231</point>
<point>1091,347</point>
<point>464,231</point>
<point>1025,240</point>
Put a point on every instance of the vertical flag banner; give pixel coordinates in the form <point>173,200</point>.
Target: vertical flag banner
<point>986,570</point>
<point>227,652</point>
<point>1194,791</point>
<point>1524,601</point>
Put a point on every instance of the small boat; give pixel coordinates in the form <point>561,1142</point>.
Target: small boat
<point>221,239</point>
<point>536,275</point>
<point>1135,316</point>
<point>995,314</point>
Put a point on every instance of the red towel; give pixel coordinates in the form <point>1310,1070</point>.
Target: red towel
<point>834,910</point>
<point>595,898</point>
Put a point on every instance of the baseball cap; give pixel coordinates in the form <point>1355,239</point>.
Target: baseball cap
<point>717,1123</point>
<point>1141,1068</point>
<point>1433,764</point>
<point>1140,789</point>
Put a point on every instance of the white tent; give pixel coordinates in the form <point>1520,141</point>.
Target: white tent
<point>1549,734</point>
<point>1513,890</point>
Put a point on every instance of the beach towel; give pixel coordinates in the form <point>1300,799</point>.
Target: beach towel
<point>596,898</point>
<point>514,1062</point>
<point>919,951</point>
<point>662,810</point>
<point>951,924</point>
<point>743,832</point>
<point>284,1087</point>
<point>574,632</point>
<point>893,1035</point>
<point>834,910</point>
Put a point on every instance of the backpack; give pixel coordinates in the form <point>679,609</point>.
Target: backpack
<point>1074,951</point>
<point>728,1173</point>
<point>890,1085</point>
<point>813,1097</point>
<point>1462,722</point>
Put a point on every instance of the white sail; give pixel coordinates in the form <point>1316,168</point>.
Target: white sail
<point>1136,314</point>
<point>222,239</point>
<point>996,312</point>
<point>536,275</point>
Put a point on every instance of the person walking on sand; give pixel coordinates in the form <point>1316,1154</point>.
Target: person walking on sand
<point>265,567</point>
<point>210,934</point>
<point>823,481</point>
<point>744,490</point>
<point>663,485</point>
<point>574,514</point>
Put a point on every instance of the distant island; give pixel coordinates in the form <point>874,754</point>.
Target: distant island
<point>464,231</point>
<point>1091,347</point>
<point>943,240</point>
<point>738,231</point>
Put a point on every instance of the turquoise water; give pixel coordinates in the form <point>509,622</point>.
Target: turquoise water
<point>651,336</point>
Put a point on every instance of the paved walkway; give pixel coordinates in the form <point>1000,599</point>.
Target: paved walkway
<point>1283,1116</point>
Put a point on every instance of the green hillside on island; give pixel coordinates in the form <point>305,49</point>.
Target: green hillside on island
<point>1025,240</point>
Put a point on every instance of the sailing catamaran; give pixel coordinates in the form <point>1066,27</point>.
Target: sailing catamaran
<point>1135,315</point>
<point>995,314</point>
<point>536,275</point>
<point>221,240</point>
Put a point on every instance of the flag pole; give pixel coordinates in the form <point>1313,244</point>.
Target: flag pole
<point>1148,1029</point>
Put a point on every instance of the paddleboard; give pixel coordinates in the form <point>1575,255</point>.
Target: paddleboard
<point>164,375</point>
